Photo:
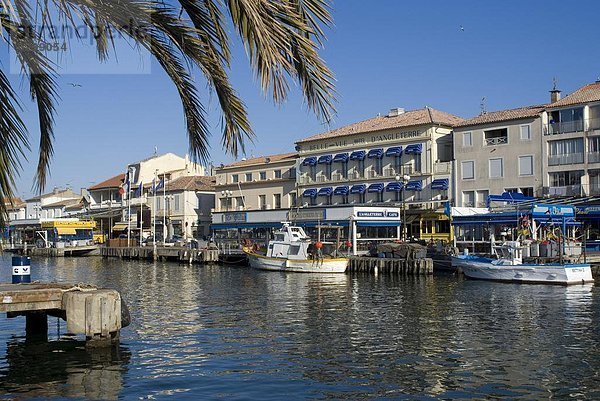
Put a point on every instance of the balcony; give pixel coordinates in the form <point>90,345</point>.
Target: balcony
<point>594,157</point>
<point>496,137</point>
<point>305,179</point>
<point>564,127</point>
<point>558,160</point>
<point>567,190</point>
<point>500,140</point>
<point>594,124</point>
<point>442,167</point>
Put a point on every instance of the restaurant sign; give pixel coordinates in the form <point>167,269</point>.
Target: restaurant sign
<point>318,214</point>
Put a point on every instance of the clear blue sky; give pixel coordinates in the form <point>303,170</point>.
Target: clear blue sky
<point>384,53</point>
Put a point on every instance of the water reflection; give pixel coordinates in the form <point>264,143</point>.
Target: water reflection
<point>63,369</point>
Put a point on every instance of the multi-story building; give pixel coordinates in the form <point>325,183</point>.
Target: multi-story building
<point>258,183</point>
<point>571,143</point>
<point>402,159</point>
<point>50,205</point>
<point>15,208</point>
<point>498,152</point>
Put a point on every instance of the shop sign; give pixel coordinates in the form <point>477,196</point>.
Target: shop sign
<point>234,217</point>
<point>306,215</point>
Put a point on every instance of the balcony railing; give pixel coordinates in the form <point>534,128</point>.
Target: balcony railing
<point>564,127</point>
<point>566,190</point>
<point>442,167</point>
<point>594,123</point>
<point>594,190</point>
<point>594,157</point>
<point>499,140</point>
<point>557,160</point>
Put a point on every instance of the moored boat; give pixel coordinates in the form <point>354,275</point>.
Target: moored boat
<point>509,266</point>
<point>291,250</point>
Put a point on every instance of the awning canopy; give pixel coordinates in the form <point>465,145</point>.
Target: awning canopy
<point>341,190</point>
<point>310,193</point>
<point>325,159</point>
<point>510,197</point>
<point>440,183</point>
<point>325,191</point>
<point>415,149</point>
<point>395,186</point>
<point>377,187</point>
<point>341,158</point>
<point>67,230</point>
<point>310,161</point>
<point>375,153</point>
<point>119,227</point>
<point>358,189</point>
<point>358,155</point>
<point>394,151</point>
<point>415,185</point>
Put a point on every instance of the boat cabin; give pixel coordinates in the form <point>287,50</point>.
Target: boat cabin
<point>290,242</point>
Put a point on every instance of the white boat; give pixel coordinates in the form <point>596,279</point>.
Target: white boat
<point>509,266</point>
<point>289,251</point>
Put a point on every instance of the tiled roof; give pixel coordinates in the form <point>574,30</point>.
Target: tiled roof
<point>14,203</point>
<point>64,202</point>
<point>588,93</point>
<point>264,160</point>
<point>503,115</point>
<point>406,119</point>
<point>192,183</point>
<point>112,182</point>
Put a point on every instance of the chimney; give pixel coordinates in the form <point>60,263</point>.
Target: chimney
<point>396,111</point>
<point>554,93</point>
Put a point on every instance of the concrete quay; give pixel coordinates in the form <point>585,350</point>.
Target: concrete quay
<point>182,255</point>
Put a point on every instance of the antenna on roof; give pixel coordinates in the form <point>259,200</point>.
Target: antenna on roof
<point>554,81</point>
<point>155,150</point>
<point>482,105</point>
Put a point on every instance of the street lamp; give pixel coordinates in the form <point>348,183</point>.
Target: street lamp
<point>403,179</point>
<point>227,194</point>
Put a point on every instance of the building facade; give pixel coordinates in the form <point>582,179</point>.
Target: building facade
<point>402,159</point>
<point>498,152</point>
<point>571,143</point>
<point>259,183</point>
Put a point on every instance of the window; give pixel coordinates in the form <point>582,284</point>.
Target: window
<point>525,132</point>
<point>566,151</point>
<point>482,197</point>
<point>468,170</point>
<point>525,165</point>
<point>496,168</point>
<point>248,177</point>
<point>234,178</point>
<point>565,178</point>
<point>496,137</point>
<point>468,198</point>
<point>293,199</point>
<point>292,172</point>
<point>263,175</point>
<point>277,201</point>
<point>467,139</point>
<point>277,173</point>
<point>262,202</point>
<point>176,201</point>
<point>527,191</point>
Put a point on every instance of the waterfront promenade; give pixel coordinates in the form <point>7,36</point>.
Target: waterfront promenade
<point>236,333</point>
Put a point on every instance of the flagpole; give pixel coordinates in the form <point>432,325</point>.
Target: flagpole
<point>154,185</point>
<point>128,207</point>
<point>164,207</point>
<point>141,212</point>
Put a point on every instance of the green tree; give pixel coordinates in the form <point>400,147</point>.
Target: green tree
<point>281,38</point>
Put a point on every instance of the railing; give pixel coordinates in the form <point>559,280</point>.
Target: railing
<point>499,140</point>
<point>573,158</point>
<point>594,157</point>
<point>321,178</point>
<point>594,190</point>
<point>305,180</point>
<point>389,172</point>
<point>594,123</point>
<point>372,174</point>
<point>564,127</point>
<point>336,177</point>
<point>442,167</point>
<point>567,190</point>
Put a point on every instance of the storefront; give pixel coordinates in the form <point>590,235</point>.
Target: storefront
<point>364,226</point>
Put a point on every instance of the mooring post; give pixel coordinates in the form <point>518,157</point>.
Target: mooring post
<point>36,326</point>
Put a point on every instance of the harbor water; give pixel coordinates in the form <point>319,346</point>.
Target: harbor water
<point>228,332</point>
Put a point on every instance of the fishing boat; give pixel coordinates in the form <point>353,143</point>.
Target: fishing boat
<point>291,250</point>
<point>508,265</point>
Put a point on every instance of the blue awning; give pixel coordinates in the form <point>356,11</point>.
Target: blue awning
<point>394,187</point>
<point>325,159</point>
<point>416,185</point>
<point>358,155</point>
<point>415,149</point>
<point>377,187</point>
<point>440,183</point>
<point>394,151</point>
<point>310,161</point>
<point>325,191</point>
<point>358,189</point>
<point>343,190</point>
<point>310,193</point>
<point>341,158</point>
<point>375,153</point>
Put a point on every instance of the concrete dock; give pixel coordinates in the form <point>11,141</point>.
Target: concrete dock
<point>182,255</point>
<point>96,313</point>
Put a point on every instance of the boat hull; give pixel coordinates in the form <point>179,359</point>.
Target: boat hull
<point>563,274</point>
<point>338,265</point>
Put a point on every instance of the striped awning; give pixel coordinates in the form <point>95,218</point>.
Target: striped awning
<point>395,186</point>
<point>394,151</point>
<point>341,158</point>
<point>441,184</point>
<point>310,193</point>
<point>375,153</point>
<point>358,189</point>
<point>310,161</point>
<point>325,159</point>
<point>416,185</point>
<point>341,190</point>
<point>325,191</point>
<point>358,155</point>
<point>377,187</point>
<point>415,149</point>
